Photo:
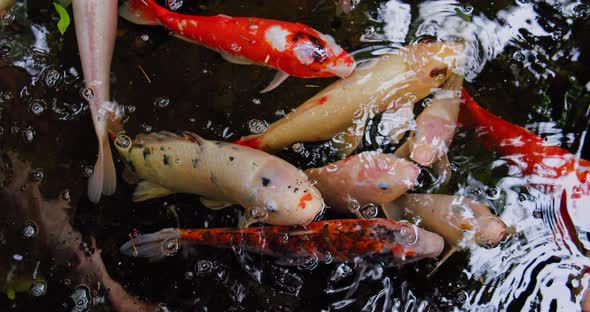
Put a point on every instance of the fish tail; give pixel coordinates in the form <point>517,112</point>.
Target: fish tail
<point>104,177</point>
<point>150,246</point>
<point>142,12</point>
<point>468,106</point>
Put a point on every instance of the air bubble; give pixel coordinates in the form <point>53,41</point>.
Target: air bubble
<point>37,174</point>
<point>30,229</point>
<point>369,211</point>
<point>87,93</point>
<point>51,78</point>
<point>123,141</point>
<point>87,171</point>
<point>353,205</point>
<point>461,297</point>
<point>174,5</point>
<point>130,109</point>
<point>29,135</point>
<point>37,107</point>
<point>467,8</point>
<point>256,101</point>
<point>309,263</point>
<point>259,214</point>
<point>257,126</point>
<point>427,102</point>
<point>406,234</point>
<point>537,214</point>
<point>518,56</point>
<point>170,247</point>
<point>285,238</point>
<point>65,195</point>
<point>581,10</point>
<point>38,289</point>
<point>280,113</point>
<point>5,50</point>
<point>297,147</point>
<point>162,102</point>
<point>81,298</point>
<point>145,127</point>
<point>7,17</point>
<point>328,258</point>
<point>522,197</point>
<point>493,193</point>
<point>203,267</point>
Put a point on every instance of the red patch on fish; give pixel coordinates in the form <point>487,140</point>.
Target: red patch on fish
<point>410,253</point>
<point>305,198</point>
<point>322,100</point>
<point>253,143</point>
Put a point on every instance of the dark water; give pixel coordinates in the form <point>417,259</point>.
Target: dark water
<point>529,62</point>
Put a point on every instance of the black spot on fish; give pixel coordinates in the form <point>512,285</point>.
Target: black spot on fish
<point>234,148</point>
<point>166,160</point>
<point>270,208</point>
<point>162,148</point>
<point>213,179</point>
<point>146,153</point>
<point>231,158</point>
<point>131,166</point>
<point>195,162</point>
<point>265,181</point>
<point>137,145</point>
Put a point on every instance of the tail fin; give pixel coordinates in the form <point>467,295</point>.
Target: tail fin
<point>139,12</point>
<point>104,178</point>
<point>150,246</point>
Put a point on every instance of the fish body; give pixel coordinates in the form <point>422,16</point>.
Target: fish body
<point>543,164</point>
<point>96,27</point>
<point>389,82</point>
<point>292,48</point>
<point>368,177</point>
<point>222,173</point>
<point>347,240</point>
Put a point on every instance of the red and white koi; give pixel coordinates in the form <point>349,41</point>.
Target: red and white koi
<point>373,241</point>
<point>368,177</point>
<point>293,49</point>
<point>96,27</point>
<point>389,82</point>
<point>270,189</point>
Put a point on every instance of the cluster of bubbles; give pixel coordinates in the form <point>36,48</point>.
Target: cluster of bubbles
<point>257,126</point>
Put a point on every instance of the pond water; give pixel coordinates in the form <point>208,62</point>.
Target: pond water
<point>528,62</point>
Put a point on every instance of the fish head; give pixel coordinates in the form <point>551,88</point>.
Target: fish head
<point>321,55</point>
<point>286,194</point>
<point>434,62</point>
<point>383,177</point>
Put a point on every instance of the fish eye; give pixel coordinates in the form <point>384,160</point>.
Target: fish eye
<point>438,73</point>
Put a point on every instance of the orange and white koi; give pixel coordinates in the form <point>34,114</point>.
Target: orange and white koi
<point>96,27</point>
<point>293,49</point>
<point>270,189</point>
<point>368,177</point>
<point>389,82</point>
<point>371,240</point>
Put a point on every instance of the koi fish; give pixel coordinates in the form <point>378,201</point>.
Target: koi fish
<point>372,240</point>
<point>293,49</point>
<point>368,177</point>
<point>223,174</point>
<point>451,217</point>
<point>96,27</point>
<point>544,164</point>
<point>388,82</point>
<point>435,126</point>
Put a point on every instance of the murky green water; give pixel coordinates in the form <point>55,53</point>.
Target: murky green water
<point>529,62</point>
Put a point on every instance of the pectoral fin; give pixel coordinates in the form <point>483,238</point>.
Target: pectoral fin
<point>214,204</point>
<point>276,81</point>
<point>236,59</point>
<point>146,190</point>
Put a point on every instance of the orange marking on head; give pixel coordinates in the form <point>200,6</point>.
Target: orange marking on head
<point>253,143</point>
<point>410,253</point>
<point>305,198</point>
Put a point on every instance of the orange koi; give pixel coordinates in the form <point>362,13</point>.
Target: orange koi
<point>372,240</point>
<point>293,49</point>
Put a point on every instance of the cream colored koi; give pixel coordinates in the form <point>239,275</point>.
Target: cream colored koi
<point>269,188</point>
<point>391,81</point>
